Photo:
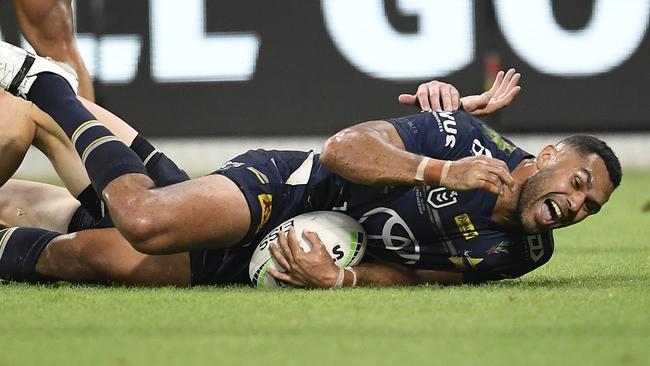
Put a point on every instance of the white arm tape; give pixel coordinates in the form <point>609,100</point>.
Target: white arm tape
<point>419,173</point>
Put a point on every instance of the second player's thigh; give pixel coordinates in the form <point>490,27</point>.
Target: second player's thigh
<point>104,256</point>
<point>34,204</point>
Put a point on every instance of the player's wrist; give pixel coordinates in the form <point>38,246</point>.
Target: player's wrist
<point>435,171</point>
<point>350,279</point>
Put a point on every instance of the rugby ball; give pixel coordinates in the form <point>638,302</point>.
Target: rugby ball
<point>342,235</point>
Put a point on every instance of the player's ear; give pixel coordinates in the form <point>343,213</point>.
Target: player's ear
<point>546,156</point>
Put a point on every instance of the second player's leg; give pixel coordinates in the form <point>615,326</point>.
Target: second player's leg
<point>47,25</point>
<point>104,256</point>
<point>25,203</point>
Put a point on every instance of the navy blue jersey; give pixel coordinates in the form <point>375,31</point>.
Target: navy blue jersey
<point>432,227</point>
<point>424,227</point>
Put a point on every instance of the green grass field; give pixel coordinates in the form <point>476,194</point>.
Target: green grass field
<point>590,305</point>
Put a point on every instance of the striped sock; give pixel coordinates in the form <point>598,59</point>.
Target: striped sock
<point>104,155</point>
<point>20,248</point>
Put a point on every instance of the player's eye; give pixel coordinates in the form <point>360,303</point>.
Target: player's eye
<point>576,182</point>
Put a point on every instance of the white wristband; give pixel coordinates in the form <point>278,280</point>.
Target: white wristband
<point>339,279</point>
<point>354,276</point>
<point>444,172</point>
<point>419,173</point>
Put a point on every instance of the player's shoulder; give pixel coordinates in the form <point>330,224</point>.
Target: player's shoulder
<point>454,135</point>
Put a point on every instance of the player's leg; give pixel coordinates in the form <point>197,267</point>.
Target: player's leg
<point>47,25</point>
<point>207,212</point>
<point>16,134</point>
<point>32,204</point>
<point>90,256</point>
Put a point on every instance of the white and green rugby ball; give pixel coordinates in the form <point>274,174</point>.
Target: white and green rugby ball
<point>342,235</point>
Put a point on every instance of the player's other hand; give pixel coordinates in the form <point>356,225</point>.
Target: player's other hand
<point>433,96</point>
<point>501,94</point>
<point>481,172</point>
<point>315,268</point>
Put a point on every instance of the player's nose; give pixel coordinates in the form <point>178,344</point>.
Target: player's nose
<point>576,200</point>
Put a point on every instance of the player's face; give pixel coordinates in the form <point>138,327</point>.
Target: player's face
<point>567,188</point>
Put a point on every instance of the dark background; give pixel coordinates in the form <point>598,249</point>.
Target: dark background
<point>303,85</point>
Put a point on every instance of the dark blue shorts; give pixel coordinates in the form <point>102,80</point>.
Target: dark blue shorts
<point>276,186</point>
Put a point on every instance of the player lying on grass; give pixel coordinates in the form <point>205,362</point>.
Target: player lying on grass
<point>411,181</point>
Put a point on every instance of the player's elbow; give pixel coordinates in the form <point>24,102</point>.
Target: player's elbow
<point>332,149</point>
<point>341,148</point>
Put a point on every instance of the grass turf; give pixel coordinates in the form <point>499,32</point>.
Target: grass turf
<point>588,306</point>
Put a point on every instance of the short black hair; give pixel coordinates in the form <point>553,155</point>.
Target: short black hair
<point>587,145</point>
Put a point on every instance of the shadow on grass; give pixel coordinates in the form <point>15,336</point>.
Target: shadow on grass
<point>578,281</point>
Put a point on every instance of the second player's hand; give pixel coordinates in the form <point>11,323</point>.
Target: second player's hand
<point>479,172</point>
<point>501,94</point>
<point>433,96</point>
<point>303,269</point>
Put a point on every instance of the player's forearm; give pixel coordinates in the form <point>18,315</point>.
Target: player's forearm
<point>388,274</point>
<point>381,275</point>
<point>368,154</point>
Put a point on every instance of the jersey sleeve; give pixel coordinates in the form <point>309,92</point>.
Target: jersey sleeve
<point>440,135</point>
<point>535,250</point>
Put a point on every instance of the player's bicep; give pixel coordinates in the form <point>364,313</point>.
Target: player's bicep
<point>380,130</point>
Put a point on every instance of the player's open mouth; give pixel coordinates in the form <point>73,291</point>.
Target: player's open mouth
<point>551,212</point>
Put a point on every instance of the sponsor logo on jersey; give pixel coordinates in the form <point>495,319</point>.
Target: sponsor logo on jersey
<point>478,149</point>
<point>441,197</point>
<point>395,235</point>
<point>466,261</point>
<point>230,164</point>
<point>447,123</point>
<point>260,176</point>
<point>535,247</point>
<point>465,226</point>
<point>502,247</point>
<point>266,204</point>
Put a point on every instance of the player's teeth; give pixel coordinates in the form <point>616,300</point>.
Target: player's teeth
<point>558,212</point>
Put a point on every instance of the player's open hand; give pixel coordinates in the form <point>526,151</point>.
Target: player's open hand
<point>501,94</point>
<point>315,268</point>
<point>478,172</point>
<point>433,96</point>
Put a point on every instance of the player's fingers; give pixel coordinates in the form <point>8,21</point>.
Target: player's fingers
<point>500,169</point>
<point>279,257</point>
<point>513,82</point>
<point>316,244</point>
<point>455,98</point>
<point>445,97</point>
<point>294,245</point>
<point>490,187</point>
<point>506,80</point>
<point>434,96</point>
<point>422,96</point>
<point>284,277</point>
<point>512,93</point>
<point>504,84</point>
<point>282,241</point>
<point>408,99</point>
<point>497,82</point>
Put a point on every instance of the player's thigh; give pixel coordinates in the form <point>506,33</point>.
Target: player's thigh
<point>104,256</point>
<point>208,212</point>
<point>17,131</point>
<point>33,204</point>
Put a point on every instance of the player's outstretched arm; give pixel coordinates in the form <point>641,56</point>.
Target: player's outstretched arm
<point>316,268</point>
<point>372,153</point>
<point>436,95</point>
